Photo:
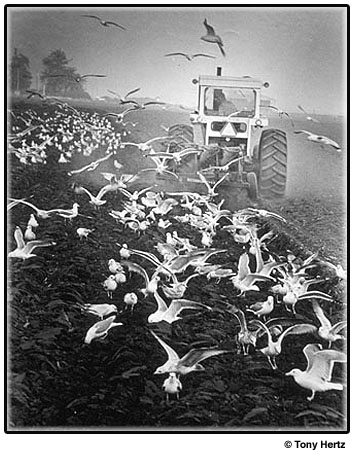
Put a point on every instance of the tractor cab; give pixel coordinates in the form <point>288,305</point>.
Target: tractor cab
<point>228,111</point>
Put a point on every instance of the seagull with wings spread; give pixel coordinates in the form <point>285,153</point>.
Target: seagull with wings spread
<point>318,373</point>
<point>212,37</point>
<point>308,117</point>
<point>189,57</point>
<point>24,250</point>
<point>188,363</point>
<point>320,139</point>
<point>170,313</point>
<point>104,23</point>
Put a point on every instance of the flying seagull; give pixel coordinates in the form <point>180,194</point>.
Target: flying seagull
<point>188,363</point>
<point>318,373</point>
<point>77,78</point>
<point>189,57</point>
<point>321,139</point>
<point>212,37</point>
<point>104,23</point>
<point>308,117</point>
<point>24,250</point>
<point>124,99</point>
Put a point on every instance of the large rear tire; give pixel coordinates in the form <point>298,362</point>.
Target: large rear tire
<point>272,161</point>
<point>183,132</point>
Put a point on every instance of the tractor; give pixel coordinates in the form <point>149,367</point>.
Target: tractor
<point>231,133</point>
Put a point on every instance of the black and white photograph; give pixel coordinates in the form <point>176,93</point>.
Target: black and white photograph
<point>176,218</point>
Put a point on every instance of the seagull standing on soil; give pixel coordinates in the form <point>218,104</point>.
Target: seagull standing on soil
<point>188,363</point>
<point>172,385</point>
<point>212,37</point>
<point>83,232</point>
<point>318,374</point>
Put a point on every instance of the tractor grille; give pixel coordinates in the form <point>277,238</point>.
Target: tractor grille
<point>229,142</point>
<point>240,127</point>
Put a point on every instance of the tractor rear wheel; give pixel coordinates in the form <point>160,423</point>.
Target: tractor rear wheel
<point>272,163</point>
<point>182,131</point>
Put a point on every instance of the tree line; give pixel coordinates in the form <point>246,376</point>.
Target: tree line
<point>57,78</point>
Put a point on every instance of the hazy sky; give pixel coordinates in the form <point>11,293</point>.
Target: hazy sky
<point>300,51</point>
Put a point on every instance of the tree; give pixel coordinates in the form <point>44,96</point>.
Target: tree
<point>20,74</point>
<point>59,79</point>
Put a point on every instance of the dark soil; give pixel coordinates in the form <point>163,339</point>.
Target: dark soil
<point>58,381</point>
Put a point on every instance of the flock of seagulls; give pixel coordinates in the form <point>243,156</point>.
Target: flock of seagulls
<point>285,280</point>
<point>166,275</point>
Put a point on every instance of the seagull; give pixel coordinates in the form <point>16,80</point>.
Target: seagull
<point>222,168</point>
<point>97,200</point>
<point>211,189</point>
<point>91,166</point>
<point>33,93</point>
<point>69,213</point>
<point>146,146</point>
<point>177,290</point>
<point>100,329</point>
<point>114,266</point>
<point>130,299</point>
<point>170,313</point>
<point>119,116</point>
<point>110,285</point>
<point>175,156</point>
<point>308,117</point>
<point>320,139</point>
<point>32,221</point>
<point>104,23</point>
<point>83,232</point>
<point>262,308</point>
<point>124,99</point>
<point>76,78</point>
<point>273,348</point>
<point>212,37</point>
<point>245,337</point>
<point>120,277</point>
<point>281,113</point>
<point>29,234</point>
<point>318,374</point>
<point>189,57</point>
<point>338,269</point>
<point>245,280</point>
<point>39,212</point>
<point>188,363</point>
<point>172,385</point>
<point>100,310</point>
<point>24,250</point>
<point>326,331</point>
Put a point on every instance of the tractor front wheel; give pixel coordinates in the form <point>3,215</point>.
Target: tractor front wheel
<point>253,186</point>
<point>272,163</point>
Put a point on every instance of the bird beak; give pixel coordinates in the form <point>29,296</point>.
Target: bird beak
<point>288,374</point>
